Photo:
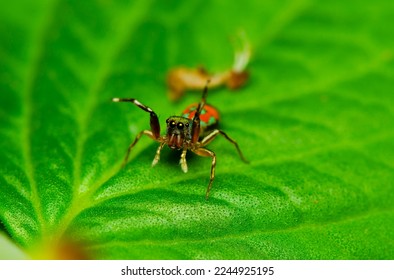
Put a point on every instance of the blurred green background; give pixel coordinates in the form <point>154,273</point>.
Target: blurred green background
<point>316,120</point>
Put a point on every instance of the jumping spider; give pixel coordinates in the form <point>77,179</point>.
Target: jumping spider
<point>192,131</point>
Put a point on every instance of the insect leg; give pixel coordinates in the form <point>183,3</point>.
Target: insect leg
<point>210,137</point>
<point>207,153</point>
<point>154,120</point>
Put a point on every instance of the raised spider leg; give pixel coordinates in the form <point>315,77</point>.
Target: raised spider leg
<point>207,153</point>
<point>196,119</point>
<point>144,132</point>
<point>209,138</point>
<point>154,120</point>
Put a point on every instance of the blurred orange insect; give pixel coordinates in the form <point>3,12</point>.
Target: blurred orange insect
<point>181,79</point>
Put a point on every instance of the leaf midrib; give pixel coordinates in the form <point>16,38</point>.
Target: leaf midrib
<point>81,199</point>
<point>32,74</point>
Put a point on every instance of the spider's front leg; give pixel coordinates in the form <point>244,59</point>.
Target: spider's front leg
<point>183,162</point>
<point>154,120</point>
<point>154,133</point>
<point>157,155</point>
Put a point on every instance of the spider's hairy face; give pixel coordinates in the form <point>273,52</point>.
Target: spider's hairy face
<point>178,131</point>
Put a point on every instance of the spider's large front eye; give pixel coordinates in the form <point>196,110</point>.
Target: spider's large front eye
<point>172,124</point>
<point>180,125</point>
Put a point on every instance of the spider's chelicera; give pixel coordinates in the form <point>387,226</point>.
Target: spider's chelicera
<point>192,131</point>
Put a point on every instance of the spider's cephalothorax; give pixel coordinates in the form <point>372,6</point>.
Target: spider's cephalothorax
<point>179,132</point>
<point>192,131</point>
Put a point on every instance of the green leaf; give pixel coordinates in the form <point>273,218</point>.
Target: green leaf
<point>316,120</point>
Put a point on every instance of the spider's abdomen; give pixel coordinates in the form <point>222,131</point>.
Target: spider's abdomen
<point>209,117</point>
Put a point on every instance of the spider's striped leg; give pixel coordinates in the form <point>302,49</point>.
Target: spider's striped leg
<point>154,120</point>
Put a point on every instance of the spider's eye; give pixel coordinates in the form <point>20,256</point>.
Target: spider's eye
<point>180,125</point>
<point>187,124</point>
<point>172,124</point>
